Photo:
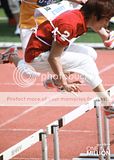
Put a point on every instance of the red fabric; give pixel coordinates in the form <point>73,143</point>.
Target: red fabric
<point>70,23</point>
<point>34,48</point>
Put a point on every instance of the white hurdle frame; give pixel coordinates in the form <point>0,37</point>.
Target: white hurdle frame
<point>104,146</point>
<point>53,128</point>
<point>40,135</point>
<point>107,134</point>
<point>21,146</point>
<point>99,130</point>
<point>107,138</point>
<point>55,132</point>
<point>43,139</point>
<point>66,119</point>
<point>103,137</point>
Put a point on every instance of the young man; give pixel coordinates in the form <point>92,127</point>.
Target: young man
<point>49,48</point>
<point>27,20</point>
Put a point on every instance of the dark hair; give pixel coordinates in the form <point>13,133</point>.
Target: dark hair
<point>99,8</point>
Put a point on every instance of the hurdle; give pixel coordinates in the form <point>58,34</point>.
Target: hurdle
<point>53,128</point>
<point>41,135</point>
<point>66,119</point>
<point>43,139</point>
<point>36,137</point>
<point>103,147</point>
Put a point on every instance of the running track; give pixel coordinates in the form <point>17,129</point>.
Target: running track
<point>16,123</point>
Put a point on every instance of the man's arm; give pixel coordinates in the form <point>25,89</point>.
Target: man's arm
<point>107,37</point>
<point>55,63</point>
<point>104,34</point>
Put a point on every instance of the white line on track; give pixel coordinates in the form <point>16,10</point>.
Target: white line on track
<point>106,68</point>
<point>26,112</point>
<point>37,158</point>
<point>77,131</point>
<point>13,84</point>
<point>40,104</point>
<point>27,159</point>
<point>17,130</point>
<point>34,130</point>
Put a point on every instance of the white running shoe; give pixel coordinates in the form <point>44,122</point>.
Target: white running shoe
<point>4,57</point>
<point>51,84</point>
<point>109,111</point>
<point>17,31</point>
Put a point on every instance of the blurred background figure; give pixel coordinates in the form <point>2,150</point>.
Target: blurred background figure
<point>27,21</point>
<point>15,9</point>
<point>12,11</point>
<point>5,6</point>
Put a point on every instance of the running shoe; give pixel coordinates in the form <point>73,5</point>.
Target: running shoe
<point>109,111</point>
<point>4,57</point>
<point>17,31</point>
<point>50,83</point>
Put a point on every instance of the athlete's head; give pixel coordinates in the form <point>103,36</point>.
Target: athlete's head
<point>97,13</point>
<point>99,8</point>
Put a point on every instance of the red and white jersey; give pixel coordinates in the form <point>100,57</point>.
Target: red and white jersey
<point>63,28</point>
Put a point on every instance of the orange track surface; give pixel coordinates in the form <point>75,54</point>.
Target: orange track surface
<point>74,138</point>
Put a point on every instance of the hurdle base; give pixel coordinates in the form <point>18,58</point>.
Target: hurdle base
<point>85,156</point>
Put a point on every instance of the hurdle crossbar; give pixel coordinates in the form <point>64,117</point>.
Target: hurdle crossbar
<point>36,137</point>
<point>69,117</point>
<point>76,113</point>
<point>21,146</point>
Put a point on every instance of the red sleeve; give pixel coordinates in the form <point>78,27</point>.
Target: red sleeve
<point>66,34</point>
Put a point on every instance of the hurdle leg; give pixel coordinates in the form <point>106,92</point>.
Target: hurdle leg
<point>107,137</point>
<point>55,129</point>
<point>99,130</point>
<point>43,138</point>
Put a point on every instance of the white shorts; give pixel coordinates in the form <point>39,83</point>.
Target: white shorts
<point>14,6</point>
<point>77,62</point>
<point>25,35</point>
<point>77,58</point>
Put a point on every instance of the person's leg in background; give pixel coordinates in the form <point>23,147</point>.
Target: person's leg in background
<point>15,8</point>
<point>5,6</point>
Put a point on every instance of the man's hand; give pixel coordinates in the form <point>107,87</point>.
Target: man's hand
<point>72,87</point>
<point>110,42</point>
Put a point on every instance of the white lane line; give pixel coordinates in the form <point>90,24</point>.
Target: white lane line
<point>40,104</point>
<point>17,130</point>
<point>13,84</point>
<point>34,130</point>
<point>77,131</point>
<point>36,158</point>
<point>106,68</point>
<point>26,112</point>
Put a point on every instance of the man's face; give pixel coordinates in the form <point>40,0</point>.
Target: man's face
<point>98,24</point>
